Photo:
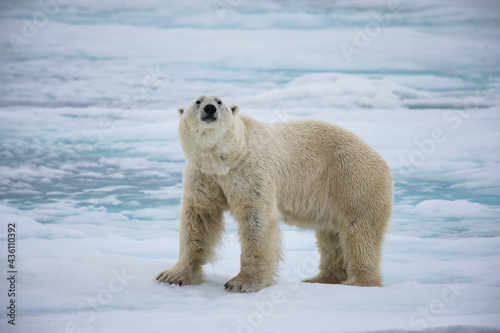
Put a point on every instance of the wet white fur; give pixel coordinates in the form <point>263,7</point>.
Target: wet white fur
<point>308,173</point>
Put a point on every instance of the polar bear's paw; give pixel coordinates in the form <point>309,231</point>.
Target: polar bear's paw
<point>336,276</point>
<point>178,277</point>
<point>364,281</point>
<point>244,283</point>
<point>323,279</point>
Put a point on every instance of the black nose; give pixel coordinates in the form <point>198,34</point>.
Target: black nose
<point>210,109</point>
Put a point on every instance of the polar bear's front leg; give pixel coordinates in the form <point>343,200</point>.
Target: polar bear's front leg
<point>200,230</point>
<point>260,249</point>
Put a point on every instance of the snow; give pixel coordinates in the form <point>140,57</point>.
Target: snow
<point>91,166</point>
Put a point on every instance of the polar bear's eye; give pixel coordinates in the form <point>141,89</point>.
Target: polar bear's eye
<point>198,102</point>
<point>219,102</point>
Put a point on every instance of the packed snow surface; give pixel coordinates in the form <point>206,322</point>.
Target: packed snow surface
<point>91,166</point>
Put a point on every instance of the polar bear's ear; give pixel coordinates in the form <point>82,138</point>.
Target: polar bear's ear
<point>235,108</point>
<point>180,111</point>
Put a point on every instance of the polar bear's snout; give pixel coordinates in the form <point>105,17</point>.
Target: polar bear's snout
<point>209,113</point>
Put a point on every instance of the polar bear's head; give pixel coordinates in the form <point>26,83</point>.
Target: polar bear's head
<point>209,122</point>
<point>208,111</point>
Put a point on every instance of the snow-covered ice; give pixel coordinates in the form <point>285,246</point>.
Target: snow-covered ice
<point>91,166</point>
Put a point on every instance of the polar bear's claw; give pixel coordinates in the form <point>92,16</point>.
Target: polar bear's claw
<point>178,278</point>
<point>244,284</point>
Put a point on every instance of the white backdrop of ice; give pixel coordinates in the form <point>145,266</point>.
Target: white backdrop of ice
<point>91,166</point>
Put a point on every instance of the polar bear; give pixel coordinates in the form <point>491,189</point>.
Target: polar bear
<point>308,173</point>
